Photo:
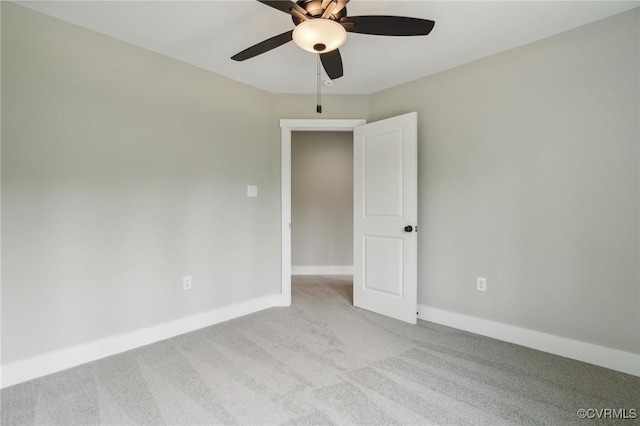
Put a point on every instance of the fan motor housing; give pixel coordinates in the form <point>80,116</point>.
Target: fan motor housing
<point>315,10</point>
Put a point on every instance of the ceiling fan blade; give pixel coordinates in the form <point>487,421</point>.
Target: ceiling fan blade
<point>264,46</point>
<point>282,5</point>
<point>332,64</point>
<point>387,25</point>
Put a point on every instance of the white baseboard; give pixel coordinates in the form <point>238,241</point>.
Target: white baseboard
<point>613,359</point>
<point>322,270</point>
<point>41,365</point>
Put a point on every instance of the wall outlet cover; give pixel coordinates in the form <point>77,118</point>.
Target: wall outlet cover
<point>481,284</point>
<point>186,282</point>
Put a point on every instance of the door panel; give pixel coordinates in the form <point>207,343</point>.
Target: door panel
<point>385,276</point>
<point>385,193</point>
<point>383,174</point>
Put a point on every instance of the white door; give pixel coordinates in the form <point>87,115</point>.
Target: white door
<point>385,217</point>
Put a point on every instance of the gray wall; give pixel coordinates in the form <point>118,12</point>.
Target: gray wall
<point>322,198</point>
<point>122,171</point>
<point>528,175</point>
<point>333,106</point>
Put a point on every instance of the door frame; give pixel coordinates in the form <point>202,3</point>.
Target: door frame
<point>286,127</point>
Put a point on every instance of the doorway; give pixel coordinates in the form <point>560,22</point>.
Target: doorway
<point>287,127</point>
<point>322,203</point>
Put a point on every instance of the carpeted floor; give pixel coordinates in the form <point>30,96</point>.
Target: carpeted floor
<point>322,361</point>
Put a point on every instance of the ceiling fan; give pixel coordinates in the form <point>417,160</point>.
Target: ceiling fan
<point>321,27</point>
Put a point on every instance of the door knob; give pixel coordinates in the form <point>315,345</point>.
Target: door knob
<point>408,228</point>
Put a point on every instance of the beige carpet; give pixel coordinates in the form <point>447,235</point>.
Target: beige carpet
<point>322,361</point>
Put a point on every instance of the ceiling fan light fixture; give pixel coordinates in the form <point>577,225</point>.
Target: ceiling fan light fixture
<point>319,35</point>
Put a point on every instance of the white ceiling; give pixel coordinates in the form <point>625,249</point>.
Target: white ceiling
<point>207,33</point>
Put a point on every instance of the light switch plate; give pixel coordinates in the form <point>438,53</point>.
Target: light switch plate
<point>252,191</point>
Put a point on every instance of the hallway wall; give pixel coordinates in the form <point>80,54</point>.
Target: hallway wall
<point>322,199</point>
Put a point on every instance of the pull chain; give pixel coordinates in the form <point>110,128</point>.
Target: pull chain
<point>319,97</point>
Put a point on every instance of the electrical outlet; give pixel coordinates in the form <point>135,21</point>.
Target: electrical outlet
<point>186,283</point>
<point>481,284</point>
